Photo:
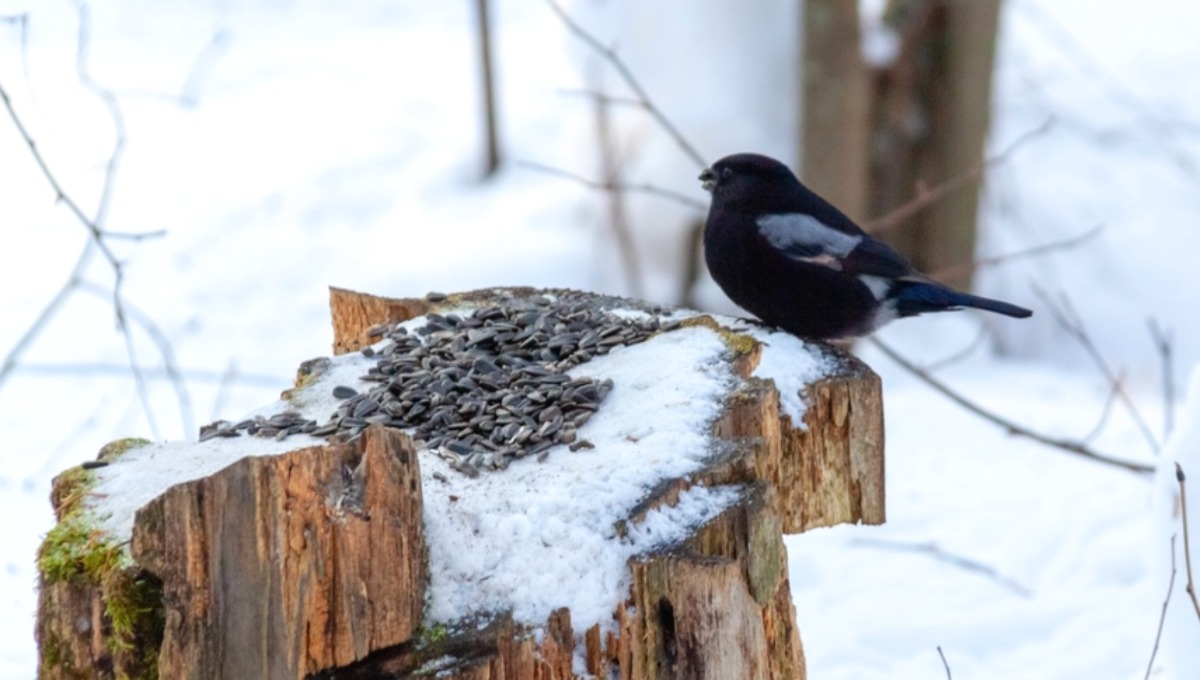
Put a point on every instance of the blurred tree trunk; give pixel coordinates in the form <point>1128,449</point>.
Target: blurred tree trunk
<point>927,121</point>
<point>835,140</point>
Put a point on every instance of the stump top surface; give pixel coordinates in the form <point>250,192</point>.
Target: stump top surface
<point>535,536</point>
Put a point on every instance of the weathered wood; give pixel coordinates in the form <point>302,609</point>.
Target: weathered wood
<point>312,563</point>
<point>280,566</point>
<point>718,606</point>
<point>930,127</point>
<point>829,473</point>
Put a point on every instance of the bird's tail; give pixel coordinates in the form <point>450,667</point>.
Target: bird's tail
<point>919,297</point>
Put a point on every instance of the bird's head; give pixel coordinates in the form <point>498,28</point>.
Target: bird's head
<point>749,179</point>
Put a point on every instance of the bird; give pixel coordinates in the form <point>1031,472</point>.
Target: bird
<point>792,259</point>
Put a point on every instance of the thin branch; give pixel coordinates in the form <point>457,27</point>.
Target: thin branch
<point>622,70</point>
<point>60,196</point>
<point>1187,543</point>
<point>944,663</point>
<point>1164,344</point>
<point>1159,127</point>
<point>94,224</point>
<point>224,379</point>
<point>133,235</point>
<point>1068,445</point>
<point>193,84</point>
<point>604,186</point>
<point>22,22</point>
<point>610,168</point>
<point>1070,321</point>
<point>1162,618</point>
<point>228,377</point>
<point>928,196</point>
<point>614,100</point>
<point>118,119</point>
<point>139,379</point>
<point>189,94</point>
<point>488,85</point>
<point>1068,243</point>
<point>983,333</point>
<point>936,552</point>
<point>1105,412</point>
<point>43,319</point>
<point>165,350</point>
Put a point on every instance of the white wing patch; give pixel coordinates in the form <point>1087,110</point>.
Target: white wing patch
<point>804,237</point>
<point>878,285</point>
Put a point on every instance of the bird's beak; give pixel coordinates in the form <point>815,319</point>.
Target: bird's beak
<point>708,179</point>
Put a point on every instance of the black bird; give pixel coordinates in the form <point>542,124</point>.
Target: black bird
<point>789,257</point>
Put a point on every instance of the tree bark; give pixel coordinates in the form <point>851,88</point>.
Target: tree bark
<point>836,135</point>
<point>931,125</point>
<point>312,563</point>
<point>874,138</point>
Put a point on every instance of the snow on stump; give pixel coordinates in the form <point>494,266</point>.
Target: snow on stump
<point>506,483</point>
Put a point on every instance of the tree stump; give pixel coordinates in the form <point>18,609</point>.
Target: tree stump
<point>303,558</point>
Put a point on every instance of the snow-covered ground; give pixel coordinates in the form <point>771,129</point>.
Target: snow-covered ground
<point>341,146</point>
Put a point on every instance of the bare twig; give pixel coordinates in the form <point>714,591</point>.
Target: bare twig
<point>228,376</point>
<point>61,196</point>
<point>1070,321</point>
<point>1187,544</point>
<point>21,21</point>
<point>1071,446</point>
<point>610,169</point>
<point>961,354</point>
<point>614,100</point>
<point>487,83</point>
<point>189,94</point>
<point>945,664</point>
<point>1160,127</point>
<point>1162,618</point>
<point>93,224</point>
<point>224,379</point>
<point>119,137</point>
<point>133,235</point>
<point>39,324</point>
<point>928,196</point>
<point>603,186</point>
<point>1164,344</point>
<point>1068,243</point>
<point>936,552</point>
<point>1105,412</point>
<point>622,70</point>
<point>193,84</point>
<point>165,350</point>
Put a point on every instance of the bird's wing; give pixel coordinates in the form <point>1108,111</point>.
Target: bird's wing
<point>805,238</point>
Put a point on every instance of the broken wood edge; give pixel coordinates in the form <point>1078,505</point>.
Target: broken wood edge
<point>164,607</point>
<point>354,313</point>
<point>830,473</point>
<point>329,533</point>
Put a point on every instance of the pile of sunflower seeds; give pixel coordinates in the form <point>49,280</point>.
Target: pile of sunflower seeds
<point>479,390</point>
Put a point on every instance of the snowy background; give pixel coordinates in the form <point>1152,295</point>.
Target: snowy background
<point>342,146</point>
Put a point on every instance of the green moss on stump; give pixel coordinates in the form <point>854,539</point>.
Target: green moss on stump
<point>79,552</point>
<point>738,343</point>
<point>115,449</point>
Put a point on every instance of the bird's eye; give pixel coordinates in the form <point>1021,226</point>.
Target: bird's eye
<point>726,173</point>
